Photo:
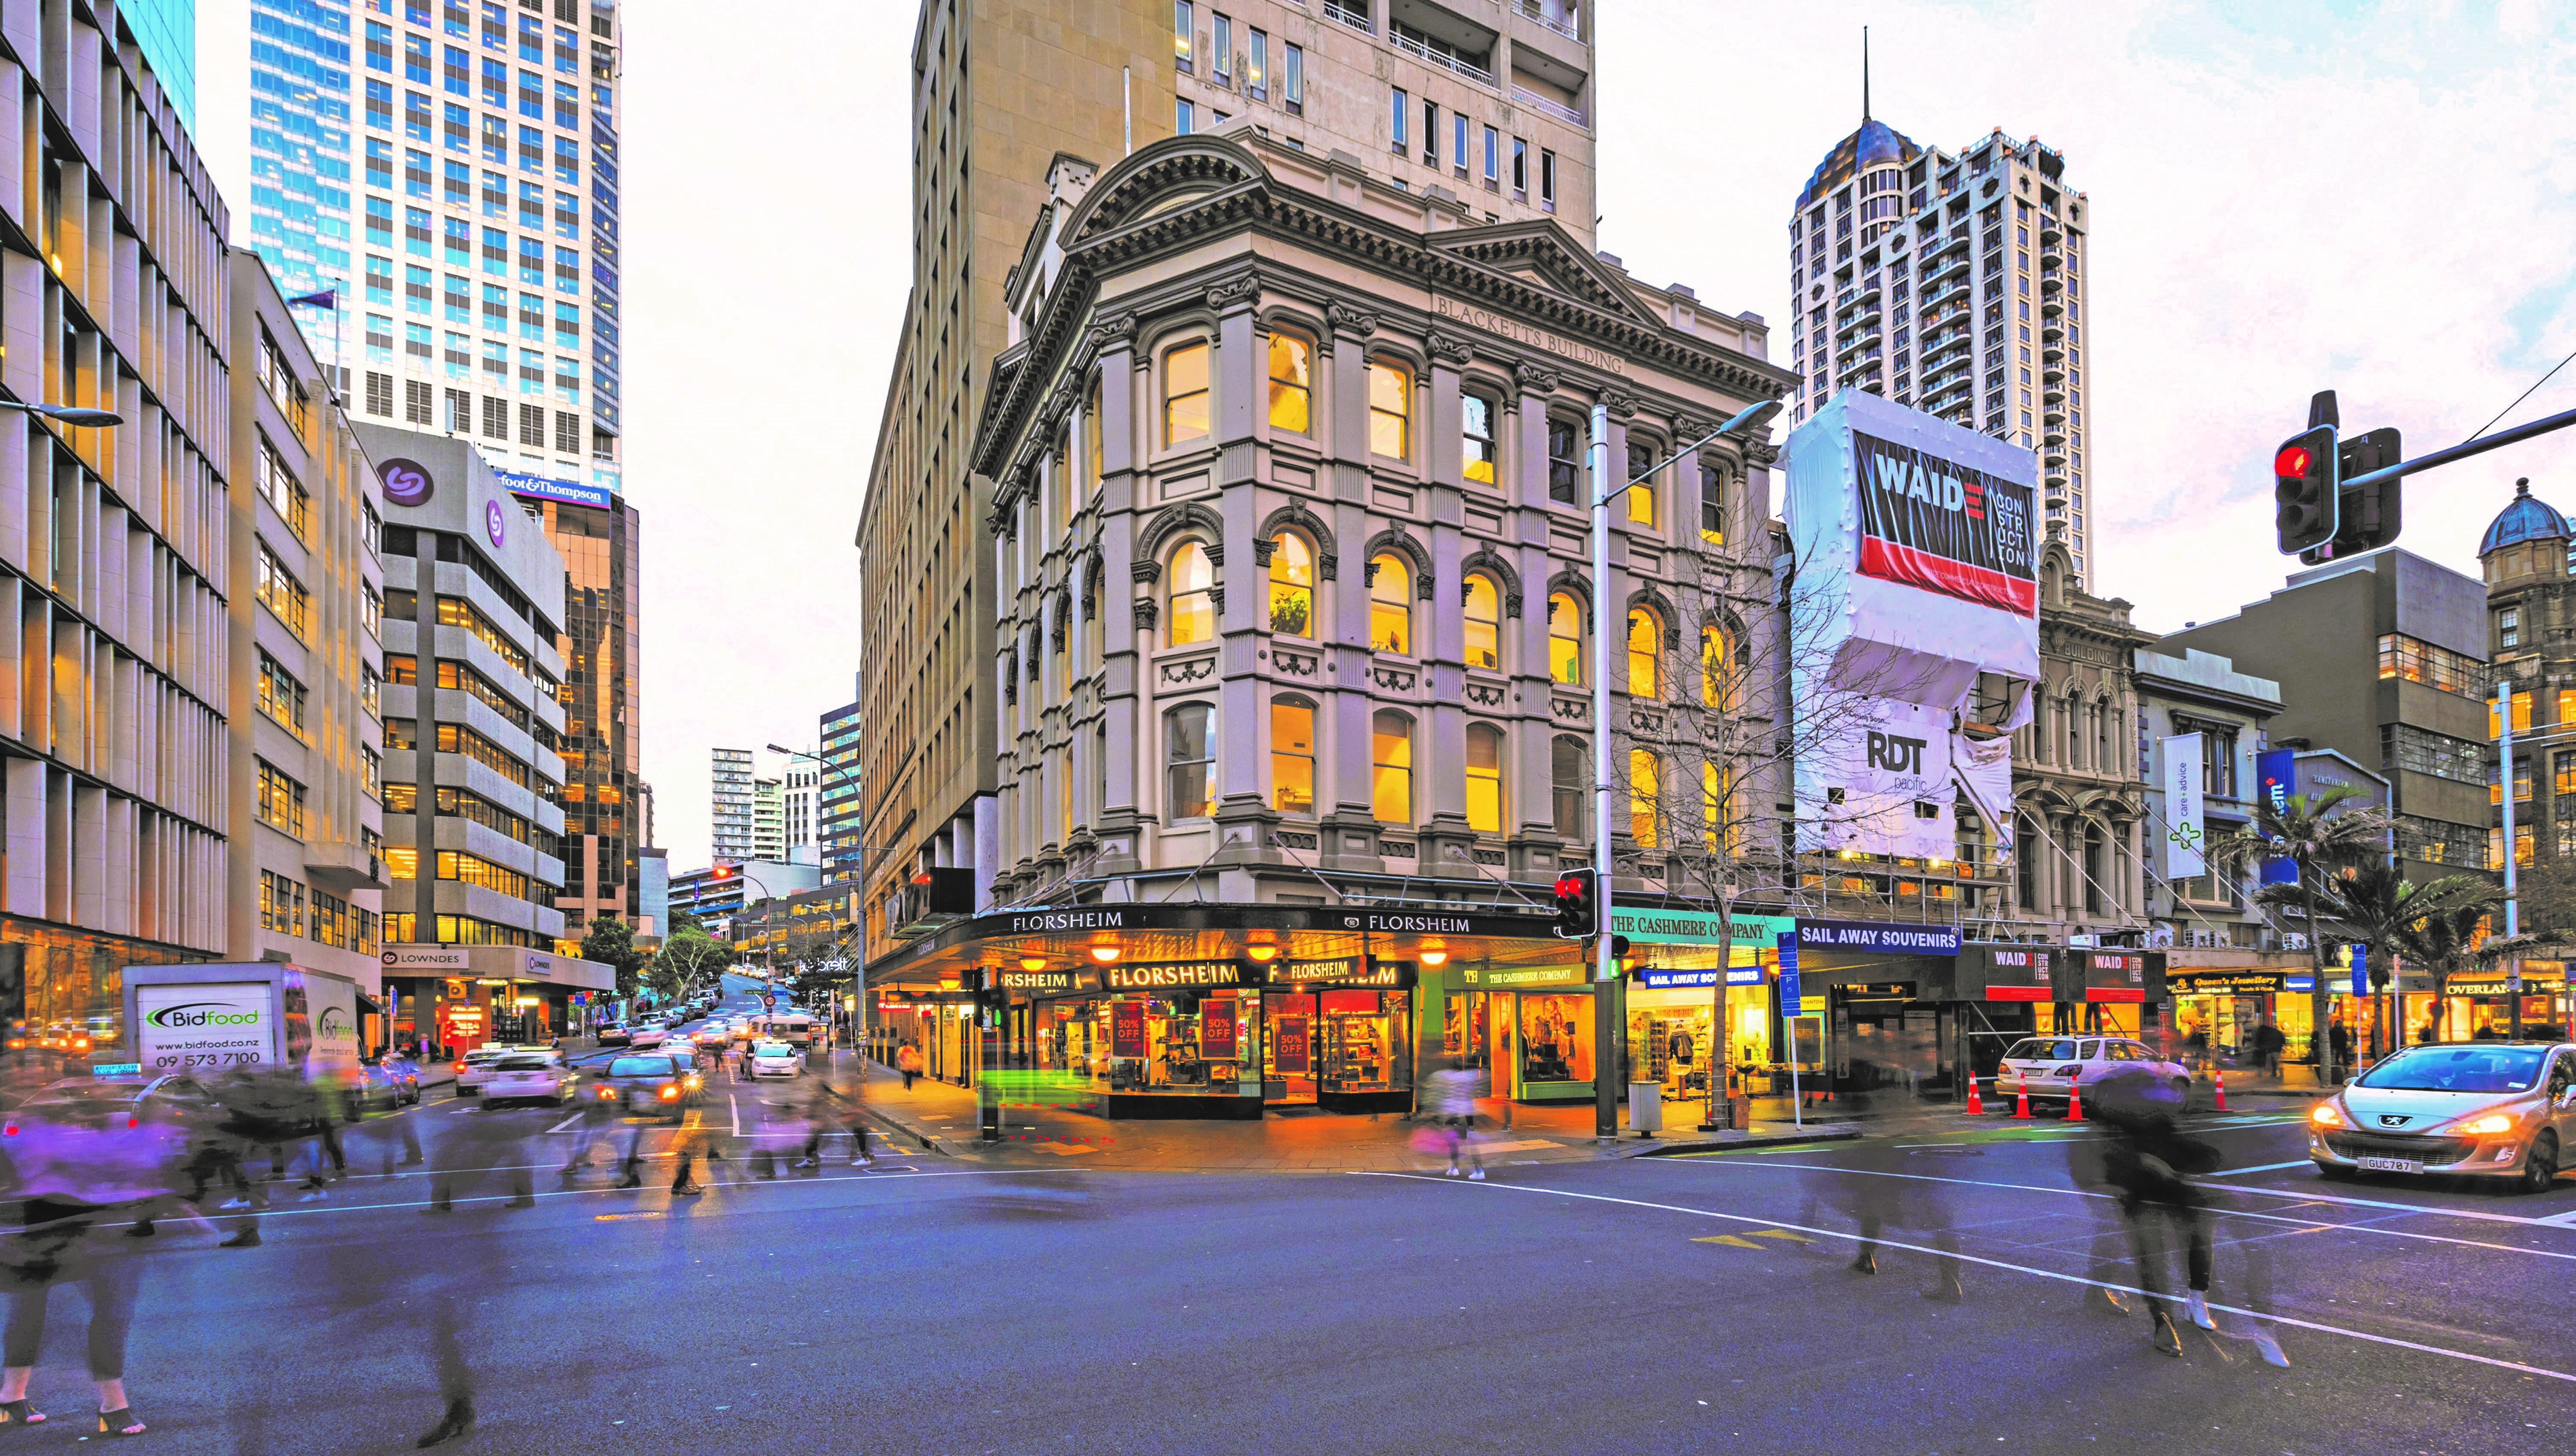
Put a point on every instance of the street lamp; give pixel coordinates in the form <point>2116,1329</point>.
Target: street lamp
<point>1748,423</point>
<point>69,414</point>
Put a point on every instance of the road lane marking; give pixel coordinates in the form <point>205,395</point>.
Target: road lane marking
<point>2264,1168</point>
<point>567,1122</point>
<point>1730,1240</point>
<point>2277,1319</point>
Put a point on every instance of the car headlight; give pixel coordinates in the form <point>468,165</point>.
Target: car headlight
<point>2325,1115</point>
<point>2493,1122</point>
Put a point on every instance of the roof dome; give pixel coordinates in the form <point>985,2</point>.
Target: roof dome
<point>1875,143</point>
<point>2526,518</point>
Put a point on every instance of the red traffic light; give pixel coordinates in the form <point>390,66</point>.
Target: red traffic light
<point>2293,460</point>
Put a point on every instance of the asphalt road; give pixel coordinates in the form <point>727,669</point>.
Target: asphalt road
<point>1652,1305</point>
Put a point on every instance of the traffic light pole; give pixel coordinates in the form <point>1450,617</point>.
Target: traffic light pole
<point>2464,450</point>
<point>1605,1011</point>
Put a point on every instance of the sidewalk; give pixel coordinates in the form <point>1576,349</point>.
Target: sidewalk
<point>943,1119</point>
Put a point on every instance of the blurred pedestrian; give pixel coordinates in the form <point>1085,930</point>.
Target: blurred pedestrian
<point>2339,1039</point>
<point>1453,1105</point>
<point>907,1060</point>
<point>1877,1193</point>
<point>2151,1162</point>
<point>2268,1043</point>
<point>2197,1046</point>
<point>492,1140</point>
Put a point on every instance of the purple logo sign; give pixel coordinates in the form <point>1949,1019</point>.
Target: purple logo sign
<point>492,516</point>
<point>406,482</point>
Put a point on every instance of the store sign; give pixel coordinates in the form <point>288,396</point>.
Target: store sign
<point>2020,974</point>
<point>1694,927</point>
<point>2223,983</point>
<point>2115,975</point>
<point>1173,975</point>
<point>1127,1029</point>
<point>2275,770</point>
<point>1487,977</point>
<point>1217,1031</point>
<point>1946,527</point>
<point>1356,972</point>
<point>1663,978</point>
<point>2501,985</point>
<point>1291,1045</point>
<point>416,957</point>
<point>546,487</point>
<point>1877,937</point>
<point>1047,982</point>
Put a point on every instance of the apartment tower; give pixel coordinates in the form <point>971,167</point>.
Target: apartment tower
<point>731,830</point>
<point>446,170</point>
<point>1474,102</point>
<point>843,808</point>
<point>1951,282</point>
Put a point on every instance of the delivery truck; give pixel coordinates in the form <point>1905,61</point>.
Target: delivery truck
<point>203,1019</point>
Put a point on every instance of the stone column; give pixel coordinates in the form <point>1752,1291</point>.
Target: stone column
<point>1127,609</point>
<point>1347,829</point>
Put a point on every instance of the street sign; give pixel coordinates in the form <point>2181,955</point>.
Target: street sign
<point>1789,1003</point>
<point>768,1003</point>
<point>2361,971</point>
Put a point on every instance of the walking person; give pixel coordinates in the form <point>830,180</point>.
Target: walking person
<point>2151,1161</point>
<point>2268,1043</point>
<point>1453,1106</point>
<point>907,1060</point>
<point>2339,1039</point>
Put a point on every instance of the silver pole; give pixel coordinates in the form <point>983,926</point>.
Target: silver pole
<point>2504,778</point>
<point>1605,1063</point>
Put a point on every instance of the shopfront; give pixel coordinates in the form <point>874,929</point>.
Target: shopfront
<point>2225,1006</point>
<point>1529,1026</point>
<point>1672,997</point>
<point>453,998</point>
<point>1341,1034</point>
<point>1890,1001</point>
<point>2004,992</point>
<point>2483,1005</point>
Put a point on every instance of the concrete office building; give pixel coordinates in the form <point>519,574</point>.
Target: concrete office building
<point>1952,282</point>
<point>800,799</point>
<point>768,819</point>
<point>113,565</point>
<point>732,802</point>
<point>842,806</point>
<point>306,877</point>
<point>607,808</point>
<point>717,894</point>
<point>1400,87</point>
<point>2382,659</point>
<point>450,172</point>
<point>473,827</point>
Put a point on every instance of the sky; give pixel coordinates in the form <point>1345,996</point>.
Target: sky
<point>2286,197</point>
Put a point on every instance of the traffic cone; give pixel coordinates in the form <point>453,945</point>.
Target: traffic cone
<point>2075,1101</point>
<point>2021,1108</point>
<point>2221,1090</point>
<point>1976,1104</point>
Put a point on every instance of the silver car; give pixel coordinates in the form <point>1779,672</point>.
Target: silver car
<point>2048,1066</point>
<point>2489,1109</point>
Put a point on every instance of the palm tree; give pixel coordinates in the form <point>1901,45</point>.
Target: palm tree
<point>2317,833</point>
<point>2376,905</point>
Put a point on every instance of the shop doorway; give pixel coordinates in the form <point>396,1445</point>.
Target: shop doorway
<point>1288,1061</point>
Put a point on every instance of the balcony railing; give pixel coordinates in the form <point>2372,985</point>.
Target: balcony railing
<point>1533,10</point>
<point>1419,51</point>
<point>1353,16</point>
<point>1558,109</point>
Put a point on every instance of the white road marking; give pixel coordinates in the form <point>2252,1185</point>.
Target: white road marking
<point>2262,1168</point>
<point>2278,1319</point>
<point>736,1104</point>
<point>567,1122</point>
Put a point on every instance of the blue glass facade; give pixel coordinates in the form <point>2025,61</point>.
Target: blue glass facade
<point>299,143</point>
<point>167,31</point>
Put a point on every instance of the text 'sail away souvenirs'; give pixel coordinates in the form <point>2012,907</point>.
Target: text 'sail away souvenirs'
<point>1916,577</point>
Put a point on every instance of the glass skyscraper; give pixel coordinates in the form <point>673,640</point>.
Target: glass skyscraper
<point>167,31</point>
<point>449,172</point>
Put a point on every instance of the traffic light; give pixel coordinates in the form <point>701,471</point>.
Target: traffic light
<point>2368,517</point>
<point>1578,904</point>
<point>2305,488</point>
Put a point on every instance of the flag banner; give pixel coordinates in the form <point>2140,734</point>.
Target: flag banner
<point>2186,835</point>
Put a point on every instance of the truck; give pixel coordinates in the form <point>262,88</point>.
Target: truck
<point>204,1019</point>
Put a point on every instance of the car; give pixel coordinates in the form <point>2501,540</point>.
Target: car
<point>645,1036</point>
<point>170,1108</point>
<point>614,1034</point>
<point>390,1081</point>
<point>475,1068</point>
<point>775,1059</point>
<point>2047,1066</point>
<point>711,1037</point>
<point>2488,1109</point>
<point>657,1086</point>
<point>529,1075</point>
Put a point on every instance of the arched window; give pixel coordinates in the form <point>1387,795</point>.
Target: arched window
<point>1292,756</point>
<point>1645,648</point>
<point>1565,777</point>
<point>1391,767</point>
<point>1716,667</point>
<point>1645,797</point>
<point>1484,778</point>
<point>1565,638</point>
<point>1292,383</point>
<point>1189,754</point>
<point>1484,622</point>
<point>1643,508</point>
<point>1189,609</point>
<point>1185,394</point>
<point>1292,585</point>
<point>1390,603</point>
<point>1390,403</point>
<point>1476,442</point>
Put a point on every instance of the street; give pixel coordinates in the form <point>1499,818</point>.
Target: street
<point>1607,1304</point>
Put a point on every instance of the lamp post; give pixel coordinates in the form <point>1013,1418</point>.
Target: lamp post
<point>69,414</point>
<point>859,980</point>
<point>1605,1019</point>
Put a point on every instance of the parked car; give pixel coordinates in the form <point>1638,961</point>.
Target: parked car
<point>530,1076</point>
<point>652,1086</point>
<point>2048,1066</point>
<point>2489,1109</point>
<point>388,1081</point>
<point>775,1059</point>
<point>475,1068</point>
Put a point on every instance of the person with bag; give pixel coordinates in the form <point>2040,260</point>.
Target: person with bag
<point>907,1060</point>
<point>1453,1106</point>
<point>2151,1161</point>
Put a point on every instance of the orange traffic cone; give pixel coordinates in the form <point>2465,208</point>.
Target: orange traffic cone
<point>2075,1101</point>
<point>2221,1090</point>
<point>1976,1104</point>
<point>2021,1108</point>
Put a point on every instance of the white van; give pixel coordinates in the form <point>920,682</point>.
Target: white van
<point>792,1027</point>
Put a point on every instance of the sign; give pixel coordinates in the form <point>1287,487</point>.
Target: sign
<point>205,1027</point>
<point>1945,527</point>
<point>2020,974</point>
<point>542,487</point>
<point>1046,982</point>
<point>2361,970</point>
<point>1694,927</point>
<point>2115,975</point>
<point>494,519</point>
<point>1127,1029</point>
<point>1217,1031</point>
<point>1483,976</point>
<point>1348,971</point>
<point>2275,770</point>
<point>1878,937</point>
<point>2489,983</point>
<point>1790,999</point>
<point>2233,983</point>
<point>1881,782</point>
<point>419,957</point>
<point>1665,978</point>
<point>768,1003</point>
<point>1173,975</point>
<point>1469,314</point>
<point>406,482</point>
<point>1291,1045</point>
<point>2186,833</point>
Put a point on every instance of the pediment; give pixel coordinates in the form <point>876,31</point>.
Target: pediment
<point>1542,255</point>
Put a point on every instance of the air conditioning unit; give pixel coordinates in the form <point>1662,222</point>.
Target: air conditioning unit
<point>2294,940</point>
<point>2084,942</point>
<point>2209,940</point>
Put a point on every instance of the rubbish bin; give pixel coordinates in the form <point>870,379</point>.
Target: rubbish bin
<point>1646,1107</point>
<point>1739,1112</point>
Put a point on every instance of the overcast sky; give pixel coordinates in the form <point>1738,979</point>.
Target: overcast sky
<point>2285,197</point>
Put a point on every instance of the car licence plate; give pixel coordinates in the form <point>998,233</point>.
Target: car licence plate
<point>2391,1165</point>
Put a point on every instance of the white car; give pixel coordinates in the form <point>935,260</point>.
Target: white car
<point>647,1035</point>
<point>532,1076</point>
<point>776,1059</point>
<point>2048,1065</point>
<point>475,1069</point>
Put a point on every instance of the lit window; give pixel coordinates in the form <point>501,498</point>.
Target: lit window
<point>1391,767</point>
<point>1292,757</point>
<point>1716,653</point>
<point>1484,778</point>
<point>1185,394</point>
<point>1641,496</point>
<point>1192,610</point>
<point>1565,638</point>
<point>1645,642</point>
<point>1188,759</point>
<point>1645,790</point>
<point>1715,799</point>
<point>1390,604</point>
<point>1712,504</point>
<point>1390,397</point>
<point>1484,624</point>
<point>1292,382</point>
<point>1292,585</point>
